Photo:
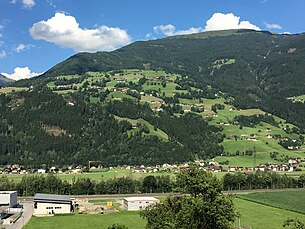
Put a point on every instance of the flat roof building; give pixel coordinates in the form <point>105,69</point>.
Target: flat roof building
<point>139,203</point>
<point>8,199</point>
<point>45,204</point>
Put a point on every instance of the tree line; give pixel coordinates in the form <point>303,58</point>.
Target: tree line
<point>31,184</point>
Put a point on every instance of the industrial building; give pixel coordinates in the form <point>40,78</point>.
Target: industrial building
<point>8,199</point>
<point>139,203</point>
<point>45,204</point>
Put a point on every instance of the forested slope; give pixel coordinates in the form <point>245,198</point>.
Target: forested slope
<point>45,128</point>
<point>265,68</point>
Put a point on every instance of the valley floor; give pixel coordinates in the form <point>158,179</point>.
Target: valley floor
<point>256,215</point>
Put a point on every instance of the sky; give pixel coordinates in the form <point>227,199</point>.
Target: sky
<point>37,34</point>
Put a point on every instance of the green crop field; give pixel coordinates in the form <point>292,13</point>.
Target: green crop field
<point>289,200</point>
<point>260,216</point>
<point>130,219</point>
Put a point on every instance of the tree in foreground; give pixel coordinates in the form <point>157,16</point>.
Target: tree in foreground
<point>204,207</point>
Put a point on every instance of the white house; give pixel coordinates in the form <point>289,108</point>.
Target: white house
<point>139,203</point>
<point>41,171</point>
<point>8,199</point>
<point>45,204</point>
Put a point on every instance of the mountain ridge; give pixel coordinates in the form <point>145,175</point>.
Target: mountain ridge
<point>4,81</point>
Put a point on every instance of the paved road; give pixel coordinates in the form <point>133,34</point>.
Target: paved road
<point>24,219</point>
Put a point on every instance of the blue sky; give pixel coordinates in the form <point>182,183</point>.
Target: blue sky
<point>37,34</point>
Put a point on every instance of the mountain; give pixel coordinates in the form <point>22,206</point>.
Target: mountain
<point>207,95</point>
<point>4,80</point>
<point>267,68</point>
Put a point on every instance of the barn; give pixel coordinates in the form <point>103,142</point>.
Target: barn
<point>45,204</point>
<point>139,203</point>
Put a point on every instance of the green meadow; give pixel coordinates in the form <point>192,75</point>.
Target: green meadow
<point>288,200</point>
<point>130,219</point>
<point>159,133</point>
<point>260,216</point>
<point>105,175</point>
<point>12,89</point>
<point>255,215</point>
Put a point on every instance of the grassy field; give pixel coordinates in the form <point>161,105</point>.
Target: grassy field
<point>300,99</point>
<point>289,200</point>
<point>161,134</point>
<point>263,145</point>
<point>260,216</point>
<point>130,219</point>
<point>12,89</point>
<point>252,214</point>
<point>118,95</point>
<point>97,175</point>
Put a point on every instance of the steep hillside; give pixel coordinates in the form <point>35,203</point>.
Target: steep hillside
<point>4,80</point>
<point>259,69</point>
<point>235,95</point>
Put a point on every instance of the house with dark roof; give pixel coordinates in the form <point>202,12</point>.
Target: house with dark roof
<point>50,204</point>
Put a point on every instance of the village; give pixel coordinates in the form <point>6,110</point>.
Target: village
<point>293,164</point>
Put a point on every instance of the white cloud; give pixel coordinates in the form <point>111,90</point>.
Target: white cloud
<point>220,21</point>
<point>167,30</point>
<point>28,3</point>
<point>13,1</point>
<point>170,30</point>
<point>273,26</point>
<point>64,30</point>
<point>21,73</point>
<point>2,54</point>
<point>22,47</point>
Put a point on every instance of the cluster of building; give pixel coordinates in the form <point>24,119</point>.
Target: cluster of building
<point>18,169</point>
<point>51,204</point>
<point>10,211</point>
<point>290,167</point>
